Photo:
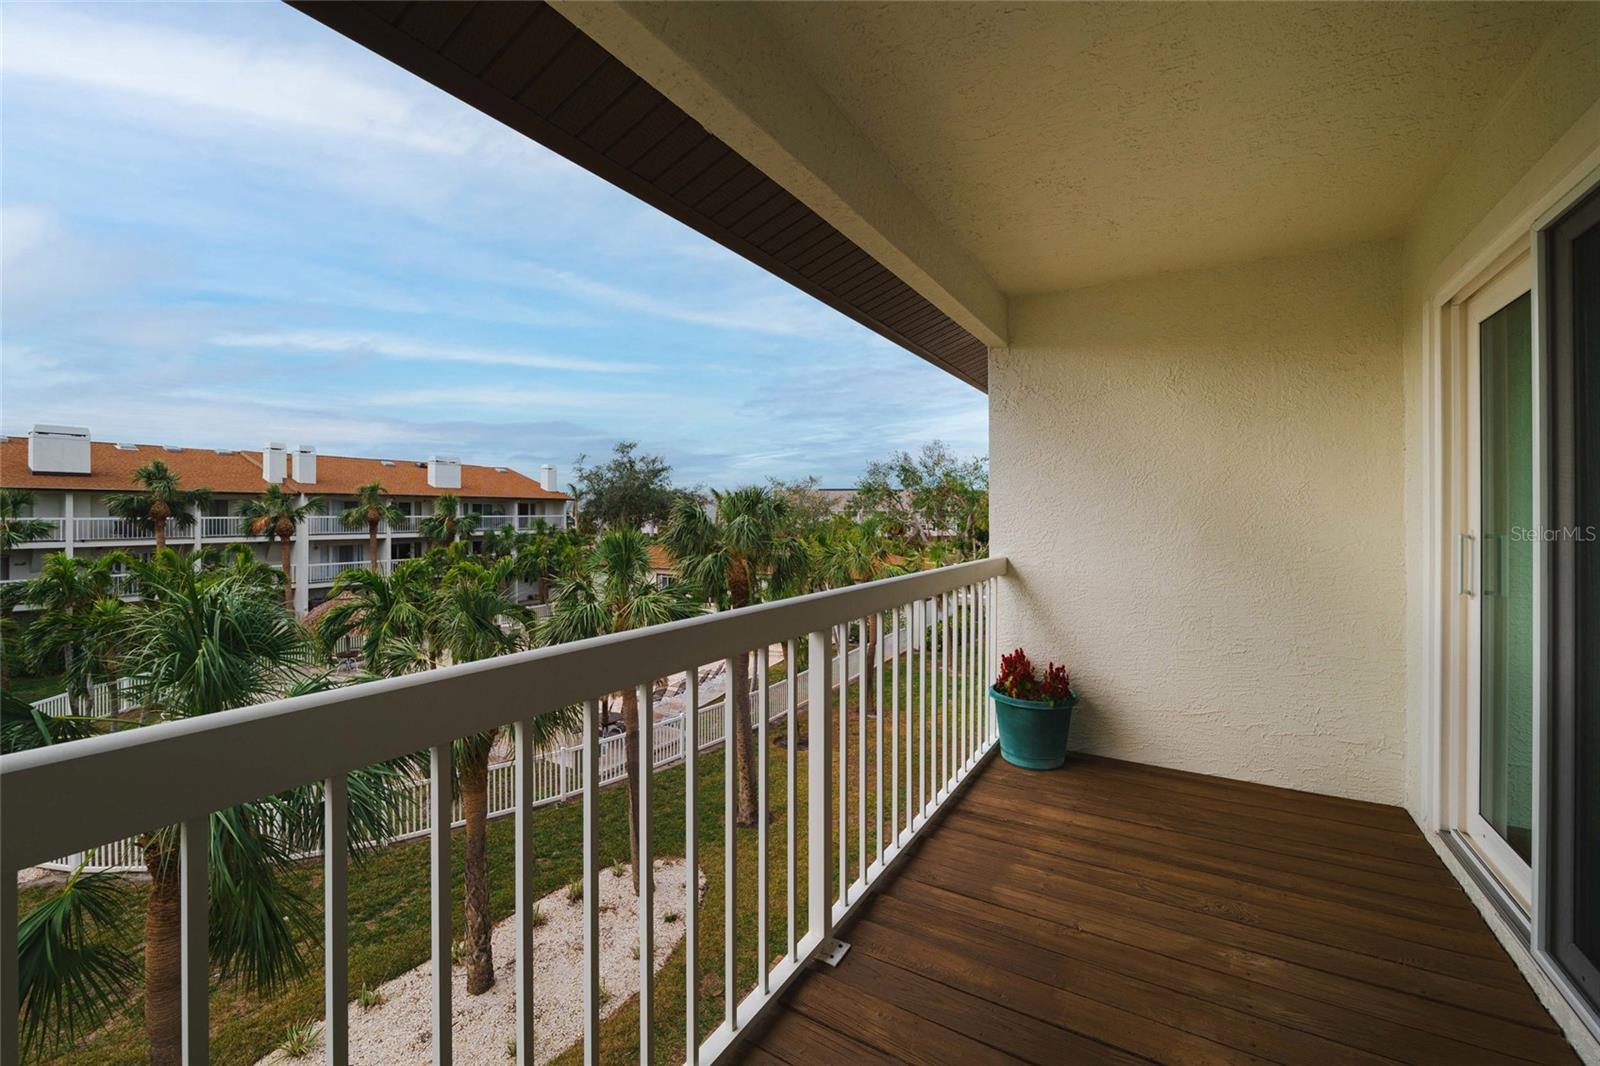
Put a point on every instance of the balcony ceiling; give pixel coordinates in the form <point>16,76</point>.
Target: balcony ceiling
<point>1069,144</point>
<point>917,165</point>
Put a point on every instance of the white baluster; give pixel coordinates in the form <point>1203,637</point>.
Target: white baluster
<point>522,799</point>
<point>647,888</point>
<point>439,819</point>
<point>591,882</point>
<point>819,898</point>
<point>691,868</point>
<point>335,919</point>
<point>194,854</point>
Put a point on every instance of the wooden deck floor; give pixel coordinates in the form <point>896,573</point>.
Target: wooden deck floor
<point>1111,912</point>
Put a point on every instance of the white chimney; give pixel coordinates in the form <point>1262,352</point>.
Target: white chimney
<point>274,463</point>
<point>59,450</point>
<point>547,477</point>
<point>305,464</point>
<point>444,472</point>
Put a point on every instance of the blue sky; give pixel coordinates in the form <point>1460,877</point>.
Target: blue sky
<point>222,224</point>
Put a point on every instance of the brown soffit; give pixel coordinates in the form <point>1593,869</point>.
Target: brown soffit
<point>524,64</point>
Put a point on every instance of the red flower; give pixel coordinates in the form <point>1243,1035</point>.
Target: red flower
<point>1020,681</point>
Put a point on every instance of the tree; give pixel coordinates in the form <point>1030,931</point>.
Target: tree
<point>372,508</point>
<point>72,969</point>
<point>276,514</point>
<point>447,522</point>
<point>203,641</point>
<point>163,497</point>
<point>16,526</point>
<point>79,618</point>
<point>409,621</point>
<point>748,553</point>
<point>934,495</point>
<point>809,510</point>
<point>536,554</point>
<point>611,589</point>
<point>628,491</point>
<point>390,614</point>
<point>851,553</point>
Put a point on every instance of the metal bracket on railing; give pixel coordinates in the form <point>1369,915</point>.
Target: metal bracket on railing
<point>832,951</point>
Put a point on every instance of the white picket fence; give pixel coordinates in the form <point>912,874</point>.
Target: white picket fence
<point>107,699</point>
<point>558,775</point>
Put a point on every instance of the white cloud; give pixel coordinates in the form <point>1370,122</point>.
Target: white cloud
<point>304,88</point>
<point>779,313</point>
<point>391,347</point>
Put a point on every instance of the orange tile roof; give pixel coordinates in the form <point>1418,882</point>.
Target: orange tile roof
<point>661,558</point>
<point>111,470</point>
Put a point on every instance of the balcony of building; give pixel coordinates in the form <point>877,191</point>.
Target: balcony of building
<point>1238,281</point>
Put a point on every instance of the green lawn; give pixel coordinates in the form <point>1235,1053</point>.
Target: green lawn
<point>389,923</point>
<point>37,688</point>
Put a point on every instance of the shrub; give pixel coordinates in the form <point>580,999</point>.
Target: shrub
<point>299,1039</point>
<point>368,998</point>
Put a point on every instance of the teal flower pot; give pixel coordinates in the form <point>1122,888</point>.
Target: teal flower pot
<point>1033,733</point>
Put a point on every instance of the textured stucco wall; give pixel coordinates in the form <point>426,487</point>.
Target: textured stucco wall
<point>1536,138</point>
<point>1198,479</point>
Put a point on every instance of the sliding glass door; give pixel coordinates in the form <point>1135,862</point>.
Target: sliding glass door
<point>1501,541</point>
<point>1572,805</point>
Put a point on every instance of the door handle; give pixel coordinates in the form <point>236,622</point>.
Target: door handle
<point>1493,549</point>
<point>1464,565</point>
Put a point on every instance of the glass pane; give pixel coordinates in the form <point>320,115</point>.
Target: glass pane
<point>1586,759</point>
<point>1505,741</point>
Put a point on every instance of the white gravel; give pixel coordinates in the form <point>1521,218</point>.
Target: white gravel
<point>400,1030</point>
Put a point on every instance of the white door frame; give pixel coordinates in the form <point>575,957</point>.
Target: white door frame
<point>1509,281</point>
<point>1566,175</point>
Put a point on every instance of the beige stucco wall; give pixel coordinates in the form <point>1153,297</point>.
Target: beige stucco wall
<point>1198,479</point>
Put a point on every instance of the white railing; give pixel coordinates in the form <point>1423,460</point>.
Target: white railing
<point>56,533</point>
<point>324,525</point>
<point>487,522</point>
<point>407,524</point>
<point>223,527</point>
<point>106,700</point>
<point>324,573</point>
<point>929,722</point>
<point>559,775</point>
<point>93,529</point>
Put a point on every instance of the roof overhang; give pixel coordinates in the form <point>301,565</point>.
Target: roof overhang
<point>528,66</point>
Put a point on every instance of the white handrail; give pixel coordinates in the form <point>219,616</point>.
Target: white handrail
<point>558,774</point>
<point>88,529</point>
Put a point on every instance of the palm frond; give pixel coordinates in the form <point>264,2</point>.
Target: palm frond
<point>73,967</point>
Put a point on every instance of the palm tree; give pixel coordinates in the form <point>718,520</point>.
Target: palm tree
<point>540,553</point>
<point>163,497</point>
<point>850,554</point>
<point>447,522</point>
<point>79,618</point>
<point>409,621</point>
<point>204,641</point>
<point>372,508</point>
<point>748,553</point>
<point>17,527</point>
<point>276,514</point>
<point>390,614</point>
<point>611,589</point>
<point>72,969</point>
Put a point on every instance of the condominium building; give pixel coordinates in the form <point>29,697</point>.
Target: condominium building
<point>71,477</point>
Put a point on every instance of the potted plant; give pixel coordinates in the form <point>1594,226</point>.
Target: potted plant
<point>1033,711</point>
